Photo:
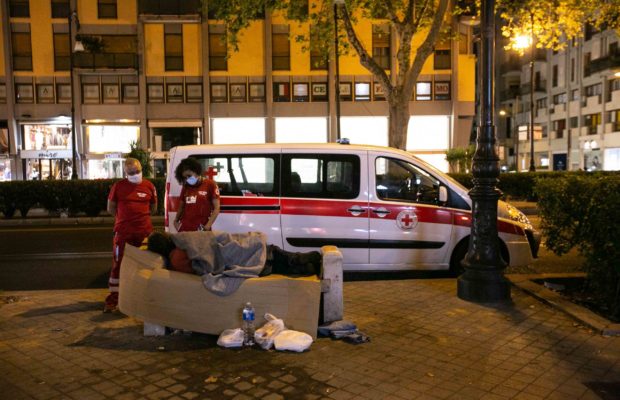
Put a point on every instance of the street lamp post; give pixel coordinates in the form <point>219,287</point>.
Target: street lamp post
<point>532,48</point>
<point>70,18</point>
<point>337,62</point>
<point>483,280</point>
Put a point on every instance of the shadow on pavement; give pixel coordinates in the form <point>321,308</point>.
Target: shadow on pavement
<point>131,338</point>
<point>80,306</point>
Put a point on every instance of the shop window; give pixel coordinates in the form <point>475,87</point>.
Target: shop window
<point>334,176</point>
<point>155,92</point>
<point>111,93</point>
<point>19,8</point>
<point>62,54</point>
<point>377,92</point>
<point>24,93</point>
<point>193,92</point>
<point>60,8</point>
<point>281,92</point>
<point>381,45</point>
<point>238,92</point>
<point>131,93</point>
<point>219,92</point>
<point>91,93</point>
<point>173,47</point>
<point>319,91</point>
<point>45,93</point>
<point>317,59</point>
<point>22,51</point>
<point>217,48</point>
<point>46,137</point>
<point>63,93</point>
<point>442,90</point>
<point>174,93</point>
<point>107,9</point>
<point>346,93</point>
<point>280,48</point>
<point>362,91</point>
<point>300,92</point>
<point>257,92</point>
<point>423,91</point>
<point>402,181</point>
<point>301,129</point>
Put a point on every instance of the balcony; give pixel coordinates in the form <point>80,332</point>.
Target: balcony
<point>609,62</point>
<point>106,60</point>
<point>540,86</point>
<point>169,7</point>
<point>509,94</point>
<point>511,66</point>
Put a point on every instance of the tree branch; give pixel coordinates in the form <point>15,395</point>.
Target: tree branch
<point>426,47</point>
<point>365,59</point>
<point>409,13</point>
<point>392,16</point>
<point>418,20</point>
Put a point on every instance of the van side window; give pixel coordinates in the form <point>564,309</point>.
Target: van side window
<point>332,176</point>
<point>399,180</point>
<point>251,175</point>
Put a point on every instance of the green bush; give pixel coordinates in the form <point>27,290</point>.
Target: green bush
<point>77,197</point>
<point>520,186</point>
<point>581,211</point>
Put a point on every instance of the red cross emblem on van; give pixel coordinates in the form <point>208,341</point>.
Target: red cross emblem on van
<point>406,219</point>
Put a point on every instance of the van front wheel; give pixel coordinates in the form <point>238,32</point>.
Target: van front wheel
<point>460,251</point>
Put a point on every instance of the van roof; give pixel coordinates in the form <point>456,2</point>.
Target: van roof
<point>304,146</point>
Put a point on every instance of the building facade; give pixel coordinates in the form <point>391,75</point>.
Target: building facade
<point>158,74</point>
<point>576,105</point>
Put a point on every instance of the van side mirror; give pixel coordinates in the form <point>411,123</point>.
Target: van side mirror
<point>443,194</point>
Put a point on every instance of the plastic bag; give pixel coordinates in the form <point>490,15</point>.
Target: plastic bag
<point>265,335</point>
<point>231,338</point>
<point>292,340</point>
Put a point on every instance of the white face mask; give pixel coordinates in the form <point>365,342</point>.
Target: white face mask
<point>192,180</point>
<point>136,178</point>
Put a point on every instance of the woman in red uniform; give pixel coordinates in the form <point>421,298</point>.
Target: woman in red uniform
<point>199,204</point>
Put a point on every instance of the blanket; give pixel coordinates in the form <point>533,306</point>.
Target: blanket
<point>224,259</point>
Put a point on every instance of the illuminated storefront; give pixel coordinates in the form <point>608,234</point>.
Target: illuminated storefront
<point>107,147</point>
<point>46,151</point>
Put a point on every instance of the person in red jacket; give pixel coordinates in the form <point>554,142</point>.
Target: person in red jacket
<point>131,202</point>
<point>199,204</point>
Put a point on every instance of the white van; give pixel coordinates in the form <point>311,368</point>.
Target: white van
<point>384,208</point>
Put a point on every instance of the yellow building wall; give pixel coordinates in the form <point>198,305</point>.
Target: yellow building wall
<point>155,52</point>
<point>41,37</point>
<point>126,12</point>
<point>466,80</point>
<point>248,61</point>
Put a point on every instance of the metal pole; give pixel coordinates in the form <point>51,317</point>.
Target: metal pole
<point>483,280</point>
<point>74,174</point>
<point>516,132</point>
<point>337,80</point>
<point>532,48</point>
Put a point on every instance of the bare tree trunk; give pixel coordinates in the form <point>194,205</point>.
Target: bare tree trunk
<point>398,122</point>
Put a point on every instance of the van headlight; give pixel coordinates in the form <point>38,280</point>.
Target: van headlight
<point>516,215</point>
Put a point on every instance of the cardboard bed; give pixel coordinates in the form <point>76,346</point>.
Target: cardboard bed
<point>161,297</point>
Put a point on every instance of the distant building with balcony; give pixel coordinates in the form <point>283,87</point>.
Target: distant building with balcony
<point>576,105</point>
<point>157,72</point>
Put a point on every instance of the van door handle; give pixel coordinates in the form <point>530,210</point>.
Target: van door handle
<point>381,211</point>
<point>355,210</point>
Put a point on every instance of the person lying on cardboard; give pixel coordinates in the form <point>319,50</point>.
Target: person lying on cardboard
<point>224,260</point>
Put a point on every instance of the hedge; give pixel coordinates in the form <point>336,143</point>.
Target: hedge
<point>581,211</point>
<point>521,186</point>
<point>76,197</point>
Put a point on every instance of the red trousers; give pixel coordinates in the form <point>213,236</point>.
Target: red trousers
<point>118,249</point>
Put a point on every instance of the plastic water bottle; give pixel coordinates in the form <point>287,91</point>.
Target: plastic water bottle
<point>248,325</point>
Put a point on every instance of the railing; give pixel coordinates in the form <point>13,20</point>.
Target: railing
<point>106,60</point>
<point>540,86</point>
<point>509,94</point>
<point>169,7</point>
<point>600,64</point>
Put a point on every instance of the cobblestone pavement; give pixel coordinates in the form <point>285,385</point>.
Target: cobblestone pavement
<point>426,344</point>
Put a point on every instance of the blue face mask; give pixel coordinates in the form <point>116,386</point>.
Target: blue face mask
<point>192,180</point>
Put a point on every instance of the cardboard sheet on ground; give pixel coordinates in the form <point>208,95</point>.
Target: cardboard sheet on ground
<point>151,293</point>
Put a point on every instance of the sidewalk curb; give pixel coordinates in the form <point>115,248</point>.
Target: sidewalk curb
<point>557,301</point>
<point>157,220</point>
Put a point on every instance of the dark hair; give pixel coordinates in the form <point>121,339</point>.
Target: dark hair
<point>187,164</point>
<point>160,243</point>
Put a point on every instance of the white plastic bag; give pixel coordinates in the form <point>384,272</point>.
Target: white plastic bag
<point>231,338</point>
<point>264,335</point>
<point>293,341</point>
